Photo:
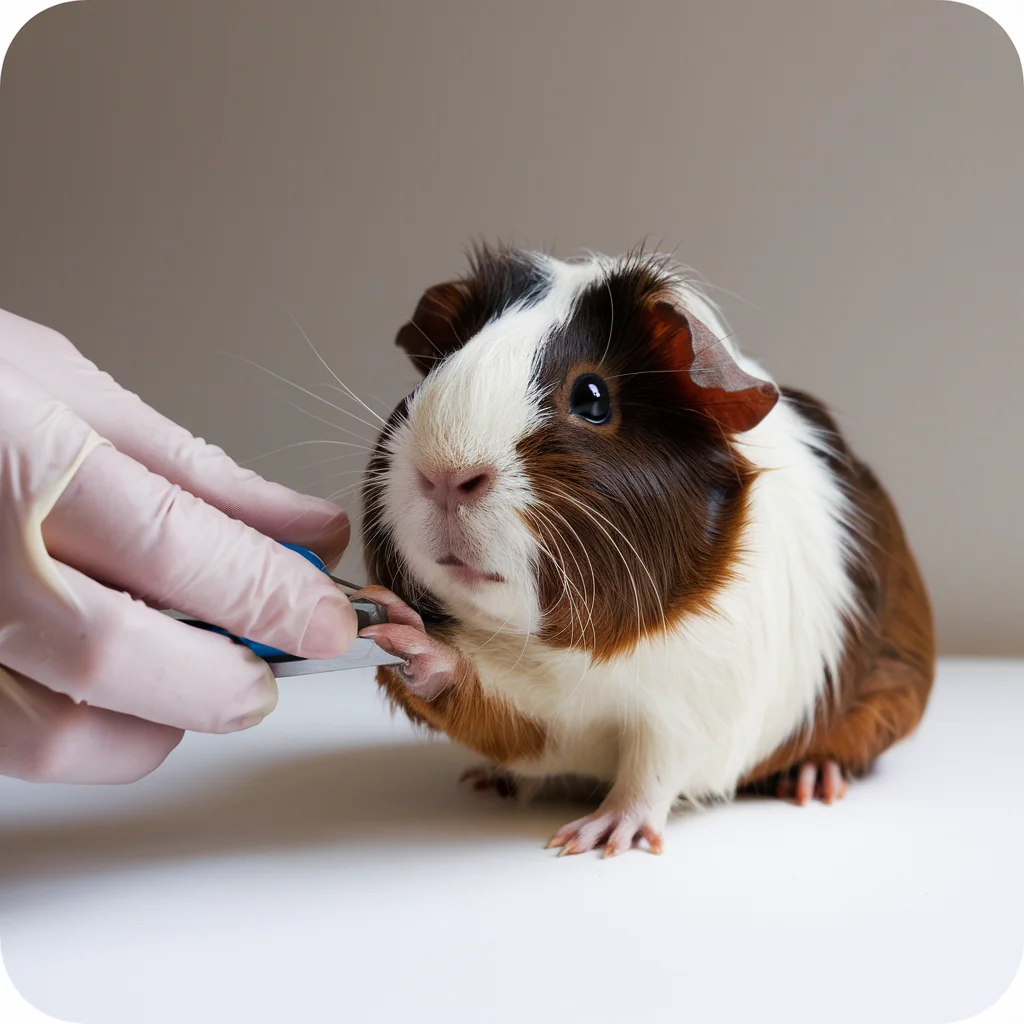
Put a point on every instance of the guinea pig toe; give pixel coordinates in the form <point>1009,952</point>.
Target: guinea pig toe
<point>398,611</point>
<point>831,782</point>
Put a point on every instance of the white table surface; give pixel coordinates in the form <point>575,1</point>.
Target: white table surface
<point>325,866</point>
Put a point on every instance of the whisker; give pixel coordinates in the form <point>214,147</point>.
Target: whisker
<point>654,588</point>
<point>560,567</point>
<point>586,664</point>
<point>643,373</point>
<point>333,458</point>
<point>643,564</point>
<point>305,391</point>
<point>508,619</point>
<point>334,387</point>
<point>294,518</point>
<point>299,444</point>
<point>430,341</point>
<point>329,423</point>
<point>338,473</point>
<point>342,492</point>
<point>611,303</point>
<point>522,653</point>
<point>587,603</point>
<point>345,388</point>
<point>629,571</point>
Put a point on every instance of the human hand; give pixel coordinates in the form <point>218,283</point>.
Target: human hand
<point>108,512</point>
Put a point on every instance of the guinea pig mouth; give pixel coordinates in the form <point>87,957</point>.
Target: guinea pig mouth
<point>466,572</point>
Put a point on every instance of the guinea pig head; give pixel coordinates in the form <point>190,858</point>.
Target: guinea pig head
<point>567,466</point>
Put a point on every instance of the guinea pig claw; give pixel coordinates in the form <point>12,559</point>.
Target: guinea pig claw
<point>833,784</point>
<point>653,839</point>
<point>806,783</point>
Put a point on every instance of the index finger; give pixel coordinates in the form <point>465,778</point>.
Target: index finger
<point>125,526</point>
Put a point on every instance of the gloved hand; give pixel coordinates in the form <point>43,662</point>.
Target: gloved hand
<point>109,511</point>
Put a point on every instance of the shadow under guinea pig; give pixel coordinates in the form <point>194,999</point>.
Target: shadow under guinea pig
<point>406,794</point>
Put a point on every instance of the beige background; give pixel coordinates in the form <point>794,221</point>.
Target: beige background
<point>175,174</point>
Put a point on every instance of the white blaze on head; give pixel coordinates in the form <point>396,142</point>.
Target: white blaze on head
<point>478,404</point>
<point>472,411</point>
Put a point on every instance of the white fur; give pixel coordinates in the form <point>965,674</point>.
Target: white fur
<point>688,714</point>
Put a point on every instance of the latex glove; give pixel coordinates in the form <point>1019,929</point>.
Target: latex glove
<point>109,511</point>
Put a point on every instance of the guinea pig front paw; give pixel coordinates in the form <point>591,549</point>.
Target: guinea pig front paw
<point>429,667</point>
<point>825,780</point>
<point>430,664</point>
<point>617,829</point>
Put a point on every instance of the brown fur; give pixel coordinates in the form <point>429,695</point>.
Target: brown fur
<point>606,601</point>
<point>641,516</point>
<point>491,727</point>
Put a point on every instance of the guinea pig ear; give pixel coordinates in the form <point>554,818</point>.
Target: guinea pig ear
<point>431,334</point>
<point>710,378</point>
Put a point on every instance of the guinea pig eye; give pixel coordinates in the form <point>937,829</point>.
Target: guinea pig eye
<point>589,399</point>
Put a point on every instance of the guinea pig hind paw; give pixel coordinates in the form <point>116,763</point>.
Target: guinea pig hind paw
<point>823,780</point>
<point>486,779</point>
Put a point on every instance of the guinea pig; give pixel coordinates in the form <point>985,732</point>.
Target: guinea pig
<point>612,549</point>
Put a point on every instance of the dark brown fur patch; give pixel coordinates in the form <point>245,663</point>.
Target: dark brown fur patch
<point>623,562</point>
<point>449,314</point>
<point>640,518</point>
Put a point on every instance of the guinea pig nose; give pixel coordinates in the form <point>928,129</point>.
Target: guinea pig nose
<point>475,482</point>
<point>461,487</point>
